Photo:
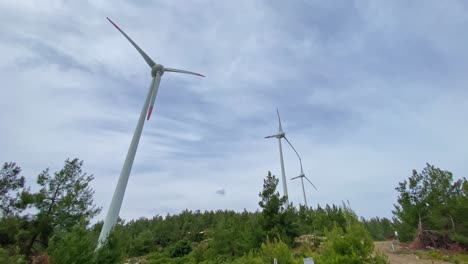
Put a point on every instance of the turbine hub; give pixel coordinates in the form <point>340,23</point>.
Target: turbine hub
<point>281,135</point>
<point>157,68</point>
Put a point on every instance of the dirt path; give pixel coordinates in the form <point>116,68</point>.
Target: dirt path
<point>398,257</point>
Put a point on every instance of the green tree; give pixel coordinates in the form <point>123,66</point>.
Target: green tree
<point>180,249</point>
<point>142,243</point>
<point>272,203</point>
<point>64,200</point>
<point>113,250</point>
<point>379,228</point>
<point>10,185</point>
<point>76,246</point>
<point>431,200</point>
<point>5,257</point>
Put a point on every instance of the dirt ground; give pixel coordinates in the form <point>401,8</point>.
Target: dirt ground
<point>398,257</point>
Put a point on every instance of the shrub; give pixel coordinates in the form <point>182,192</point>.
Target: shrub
<point>74,247</point>
<point>180,249</point>
<point>279,250</point>
<point>6,258</point>
<point>355,246</point>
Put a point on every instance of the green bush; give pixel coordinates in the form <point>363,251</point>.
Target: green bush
<point>74,247</point>
<point>355,246</point>
<point>6,258</point>
<point>279,250</point>
<point>180,249</point>
<point>142,244</point>
<point>113,251</point>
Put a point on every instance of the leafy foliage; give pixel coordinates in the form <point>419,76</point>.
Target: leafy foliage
<point>64,201</point>
<point>279,250</point>
<point>180,249</point>
<point>76,246</point>
<point>278,218</point>
<point>112,251</point>
<point>432,200</point>
<point>354,246</point>
<point>65,198</point>
<point>379,228</point>
<point>58,225</point>
<point>10,185</point>
<point>6,257</point>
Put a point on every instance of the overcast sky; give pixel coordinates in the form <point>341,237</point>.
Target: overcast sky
<point>367,91</point>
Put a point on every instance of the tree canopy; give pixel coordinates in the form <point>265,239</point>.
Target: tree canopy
<point>58,227</point>
<point>431,201</point>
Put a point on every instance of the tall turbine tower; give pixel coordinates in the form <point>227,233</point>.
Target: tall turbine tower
<point>302,175</point>
<point>157,70</point>
<point>279,136</point>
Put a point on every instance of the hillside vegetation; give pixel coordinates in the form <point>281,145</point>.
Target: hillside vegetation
<point>53,225</point>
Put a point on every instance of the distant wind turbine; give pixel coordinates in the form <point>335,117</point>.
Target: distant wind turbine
<point>279,136</point>
<point>302,175</point>
<point>157,70</point>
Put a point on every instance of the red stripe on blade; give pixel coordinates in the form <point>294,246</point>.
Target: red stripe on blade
<point>117,27</point>
<point>149,112</point>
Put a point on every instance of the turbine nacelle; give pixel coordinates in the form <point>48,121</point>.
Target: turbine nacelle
<point>297,177</point>
<point>280,135</point>
<point>157,68</point>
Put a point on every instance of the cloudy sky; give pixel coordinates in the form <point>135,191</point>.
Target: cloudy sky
<point>367,91</point>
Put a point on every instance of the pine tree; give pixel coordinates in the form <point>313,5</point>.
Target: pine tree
<point>64,201</point>
<point>10,185</point>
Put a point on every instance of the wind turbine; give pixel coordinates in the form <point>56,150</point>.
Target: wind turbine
<point>279,136</point>
<point>157,70</point>
<point>302,175</point>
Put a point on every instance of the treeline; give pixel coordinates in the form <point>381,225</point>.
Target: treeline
<point>53,226</point>
<point>380,228</point>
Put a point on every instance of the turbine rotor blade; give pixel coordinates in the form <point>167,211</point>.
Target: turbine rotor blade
<point>296,177</point>
<point>279,121</point>
<point>300,160</point>
<point>142,53</point>
<point>153,95</point>
<point>272,136</point>
<point>311,183</point>
<point>183,71</point>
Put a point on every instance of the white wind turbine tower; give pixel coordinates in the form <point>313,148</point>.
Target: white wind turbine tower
<point>157,70</point>
<point>279,136</point>
<point>302,175</point>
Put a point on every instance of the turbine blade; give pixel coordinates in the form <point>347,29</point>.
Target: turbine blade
<point>279,121</point>
<point>300,160</point>
<point>272,136</point>
<point>183,71</point>
<point>153,95</point>
<point>311,183</point>
<point>296,177</point>
<point>143,54</point>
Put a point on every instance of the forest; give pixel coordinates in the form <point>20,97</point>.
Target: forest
<point>53,224</point>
